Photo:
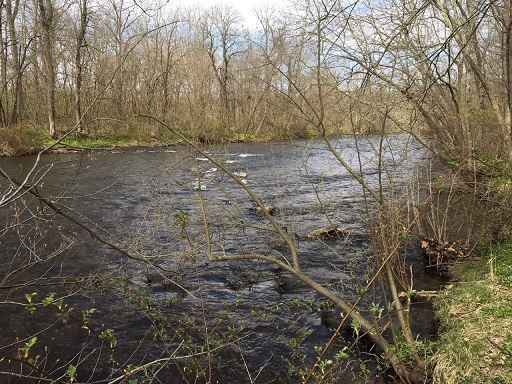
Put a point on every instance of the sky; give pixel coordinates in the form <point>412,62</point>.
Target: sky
<point>244,6</point>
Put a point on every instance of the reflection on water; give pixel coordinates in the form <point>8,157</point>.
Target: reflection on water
<point>150,202</point>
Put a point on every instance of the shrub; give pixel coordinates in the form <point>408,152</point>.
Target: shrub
<point>20,139</point>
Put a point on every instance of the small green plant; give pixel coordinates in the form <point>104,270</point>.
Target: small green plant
<point>28,346</point>
<point>108,336</point>
<point>454,163</point>
<point>71,371</point>
<point>376,310</point>
<point>507,347</point>
<point>181,220</point>
<point>31,307</point>
<point>356,327</point>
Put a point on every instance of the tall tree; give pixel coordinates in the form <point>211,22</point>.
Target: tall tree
<point>506,49</point>
<point>47,23</point>
<point>222,41</point>
<point>3,67</point>
<point>17,56</point>
<point>80,45</point>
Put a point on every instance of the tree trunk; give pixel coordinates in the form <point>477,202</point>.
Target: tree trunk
<point>11,11</point>
<point>507,57</point>
<point>47,30</point>
<point>80,38</point>
<point>3,71</point>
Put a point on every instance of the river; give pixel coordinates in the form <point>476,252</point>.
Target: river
<point>255,321</point>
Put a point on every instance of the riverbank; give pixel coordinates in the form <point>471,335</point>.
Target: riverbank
<point>26,140</point>
<point>32,143</point>
<point>475,314</point>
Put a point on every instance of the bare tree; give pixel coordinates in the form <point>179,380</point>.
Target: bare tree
<point>441,58</point>
<point>222,42</point>
<point>80,45</point>
<point>18,55</point>
<point>47,23</point>
<point>3,68</point>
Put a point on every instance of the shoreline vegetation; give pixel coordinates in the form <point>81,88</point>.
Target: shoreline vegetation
<point>29,141</point>
<point>475,316</point>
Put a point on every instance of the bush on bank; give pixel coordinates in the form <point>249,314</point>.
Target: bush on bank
<point>20,140</point>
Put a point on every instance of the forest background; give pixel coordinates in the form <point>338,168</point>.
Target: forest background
<point>87,67</point>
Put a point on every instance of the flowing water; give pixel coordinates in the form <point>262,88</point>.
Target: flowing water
<point>150,202</point>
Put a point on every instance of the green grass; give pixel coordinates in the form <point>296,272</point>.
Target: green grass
<point>95,142</point>
<point>475,344</point>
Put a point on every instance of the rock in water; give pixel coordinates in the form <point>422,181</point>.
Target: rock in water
<point>325,232</point>
<point>267,208</point>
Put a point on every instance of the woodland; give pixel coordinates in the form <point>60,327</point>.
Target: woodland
<point>76,74</point>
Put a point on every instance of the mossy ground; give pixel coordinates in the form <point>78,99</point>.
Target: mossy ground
<point>475,313</point>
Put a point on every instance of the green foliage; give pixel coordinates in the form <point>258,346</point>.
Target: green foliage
<point>341,354</point>
<point>86,314</point>
<point>355,326</point>
<point>405,351</point>
<point>181,222</point>
<point>376,310</point>
<point>181,219</point>
<point>25,352</point>
<point>454,163</point>
<point>29,296</point>
<point>71,373</point>
<point>31,305</point>
<point>48,299</point>
<point>503,272</point>
<point>28,345</point>
<point>507,346</point>
<point>108,336</point>
<point>493,161</point>
<point>323,364</point>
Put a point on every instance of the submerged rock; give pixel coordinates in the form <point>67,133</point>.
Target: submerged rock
<point>270,209</point>
<point>326,232</point>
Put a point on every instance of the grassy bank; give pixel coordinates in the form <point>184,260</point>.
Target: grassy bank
<point>25,139</point>
<point>475,313</point>
<point>85,142</point>
<point>30,141</point>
